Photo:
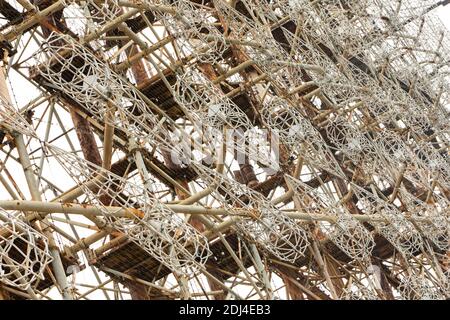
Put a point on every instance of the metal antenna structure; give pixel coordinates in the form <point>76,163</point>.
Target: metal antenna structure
<point>224,149</point>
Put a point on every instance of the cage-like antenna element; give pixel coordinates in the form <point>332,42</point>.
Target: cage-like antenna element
<point>431,218</point>
<point>359,292</point>
<point>11,120</point>
<point>350,140</point>
<point>300,135</point>
<point>84,17</point>
<point>259,221</point>
<point>212,112</point>
<point>24,252</point>
<point>76,71</point>
<point>393,225</point>
<point>418,287</point>
<point>145,220</point>
<point>195,29</point>
<point>345,231</point>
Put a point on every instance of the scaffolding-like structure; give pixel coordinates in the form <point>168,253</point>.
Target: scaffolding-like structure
<point>224,149</point>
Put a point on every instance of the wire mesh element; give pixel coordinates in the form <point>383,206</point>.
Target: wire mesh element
<point>418,287</point>
<point>12,121</point>
<point>391,148</point>
<point>345,231</point>
<point>393,226</point>
<point>355,90</point>
<point>154,227</point>
<point>256,39</point>
<point>359,292</point>
<point>258,220</point>
<point>436,228</point>
<point>354,26</point>
<point>76,71</point>
<point>446,283</point>
<point>431,218</point>
<point>196,31</point>
<point>432,158</point>
<point>86,16</point>
<point>24,252</point>
<point>434,161</point>
<point>216,115</point>
<point>298,133</point>
<point>408,94</point>
<point>198,94</point>
<point>287,122</point>
<point>345,137</point>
